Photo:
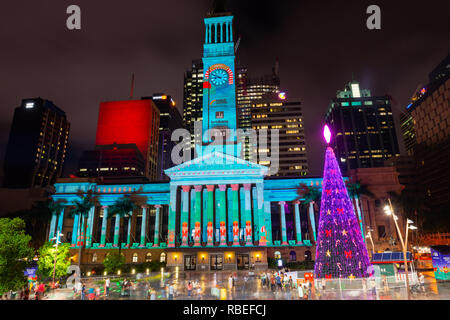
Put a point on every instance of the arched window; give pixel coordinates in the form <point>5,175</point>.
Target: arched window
<point>135,257</point>
<point>307,255</point>
<point>148,257</point>
<point>162,257</point>
<point>293,255</point>
<point>277,255</point>
<point>94,257</point>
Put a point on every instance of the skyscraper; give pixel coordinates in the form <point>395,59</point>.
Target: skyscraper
<point>170,120</point>
<point>131,122</point>
<point>364,128</point>
<point>37,144</point>
<point>193,97</point>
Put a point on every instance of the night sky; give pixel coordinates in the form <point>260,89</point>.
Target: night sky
<point>319,45</point>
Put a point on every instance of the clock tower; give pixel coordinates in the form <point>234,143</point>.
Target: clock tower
<point>219,85</point>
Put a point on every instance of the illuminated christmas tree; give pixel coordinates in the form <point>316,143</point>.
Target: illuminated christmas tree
<point>340,250</point>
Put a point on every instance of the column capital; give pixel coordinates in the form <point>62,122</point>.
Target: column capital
<point>158,206</point>
<point>198,188</point>
<point>235,187</point>
<point>144,206</point>
<point>186,188</point>
<point>222,187</point>
<point>297,202</point>
<point>210,187</point>
<point>282,203</point>
<point>247,186</point>
<point>104,207</point>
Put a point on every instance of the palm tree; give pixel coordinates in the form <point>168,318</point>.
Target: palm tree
<point>82,207</point>
<point>355,191</point>
<point>310,195</point>
<point>55,207</point>
<point>123,207</point>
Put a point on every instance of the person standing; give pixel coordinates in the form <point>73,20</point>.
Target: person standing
<point>230,282</point>
<point>300,292</point>
<point>422,281</point>
<point>373,285</point>
<point>189,288</point>
<point>83,292</point>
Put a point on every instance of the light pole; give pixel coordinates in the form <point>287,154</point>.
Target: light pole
<point>369,235</point>
<point>390,211</point>
<point>58,234</point>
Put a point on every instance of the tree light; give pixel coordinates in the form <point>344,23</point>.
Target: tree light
<point>327,134</point>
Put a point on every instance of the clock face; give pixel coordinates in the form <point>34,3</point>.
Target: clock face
<point>219,77</point>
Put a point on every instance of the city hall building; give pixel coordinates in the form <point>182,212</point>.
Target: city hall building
<point>217,211</point>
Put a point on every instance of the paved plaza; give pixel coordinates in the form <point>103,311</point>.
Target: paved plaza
<point>216,285</point>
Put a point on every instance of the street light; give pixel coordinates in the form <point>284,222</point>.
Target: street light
<point>390,211</point>
<point>58,234</point>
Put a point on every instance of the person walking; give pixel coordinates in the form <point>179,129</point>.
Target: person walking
<point>91,294</point>
<point>422,281</point>
<point>385,286</point>
<point>373,285</point>
<point>278,279</point>
<point>272,283</point>
<point>107,285</point>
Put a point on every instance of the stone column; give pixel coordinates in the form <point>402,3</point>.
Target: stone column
<point>197,215</point>
<point>215,33</point>
<point>361,221</point>
<point>235,213</point>
<point>75,229</point>
<point>222,209</point>
<point>206,34</point>
<point>209,33</point>
<point>227,32</point>
<point>104,224</point>
<point>144,225</point>
<point>263,230</point>
<point>89,222</point>
<point>116,231</point>
<point>172,216</point>
<point>51,233</point>
<point>130,216</point>
<point>210,216</point>
<point>312,219</point>
<point>185,216</point>
<point>221,31</point>
<point>81,235</point>
<point>248,215</point>
<point>157,225</point>
<point>298,224</point>
<point>268,221</point>
<point>283,223</point>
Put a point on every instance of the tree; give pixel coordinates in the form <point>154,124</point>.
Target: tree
<point>340,249</point>
<point>123,208</point>
<point>310,195</point>
<point>113,261</point>
<point>15,253</point>
<point>46,260</point>
<point>81,208</point>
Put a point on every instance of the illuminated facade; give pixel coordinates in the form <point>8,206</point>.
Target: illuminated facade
<point>217,212</point>
<point>364,127</point>
<point>37,144</point>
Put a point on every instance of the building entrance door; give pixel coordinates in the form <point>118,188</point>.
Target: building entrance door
<point>216,261</point>
<point>190,262</point>
<point>242,261</point>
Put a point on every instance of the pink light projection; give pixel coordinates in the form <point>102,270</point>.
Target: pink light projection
<point>327,134</point>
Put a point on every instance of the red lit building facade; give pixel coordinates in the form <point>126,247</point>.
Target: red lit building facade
<point>131,122</point>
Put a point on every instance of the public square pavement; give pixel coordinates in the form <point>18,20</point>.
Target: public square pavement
<point>251,289</point>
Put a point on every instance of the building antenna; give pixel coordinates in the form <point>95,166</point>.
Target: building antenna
<point>132,86</point>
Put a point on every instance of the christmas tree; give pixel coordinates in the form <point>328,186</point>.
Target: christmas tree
<point>340,249</point>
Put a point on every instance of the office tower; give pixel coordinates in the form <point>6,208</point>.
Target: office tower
<point>276,111</point>
<point>170,120</point>
<point>408,132</point>
<point>131,122</point>
<point>363,127</point>
<point>124,160</point>
<point>37,144</point>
